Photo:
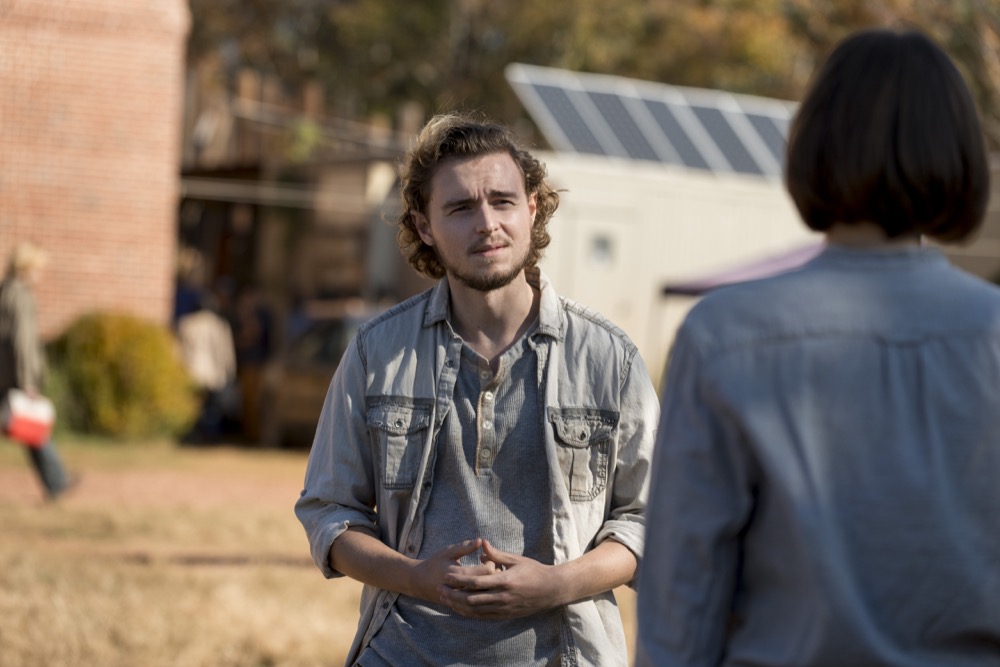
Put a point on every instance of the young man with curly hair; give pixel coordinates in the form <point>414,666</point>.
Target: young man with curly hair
<point>482,458</point>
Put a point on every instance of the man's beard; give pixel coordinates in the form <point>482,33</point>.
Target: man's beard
<point>490,281</point>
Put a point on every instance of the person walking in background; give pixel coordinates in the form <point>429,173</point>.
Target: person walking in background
<point>209,354</point>
<point>22,357</point>
<point>825,481</point>
<point>252,329</point>
<point>190,282</point>
<point>482,457</point>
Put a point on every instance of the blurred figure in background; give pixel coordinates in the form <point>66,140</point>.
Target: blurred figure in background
<point>297,320</point>
<point>22,357</point>
<point>209,354</point>
<point>252,331</point>
<point>825,482</point>
<point>190,282</point>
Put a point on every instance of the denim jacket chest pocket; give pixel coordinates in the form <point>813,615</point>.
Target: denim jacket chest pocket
<point>399,432</point>
<point>583,443</point>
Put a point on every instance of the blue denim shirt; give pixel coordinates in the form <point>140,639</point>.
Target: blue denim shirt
<point>826,485</point>
<point>372,460</point>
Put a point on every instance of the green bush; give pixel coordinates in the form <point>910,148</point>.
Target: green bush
<point>120,376</point>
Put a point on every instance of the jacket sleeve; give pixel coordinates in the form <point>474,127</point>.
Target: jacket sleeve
<point>700,502</point>
<point>339,488</point>
<point>29,360</point>
<point>639,413</point>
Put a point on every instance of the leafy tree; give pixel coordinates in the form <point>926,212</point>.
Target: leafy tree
<point>968,29</point>
<point>279,37</point>
<point>374,55</point>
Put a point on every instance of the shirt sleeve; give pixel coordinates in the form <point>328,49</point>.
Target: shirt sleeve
<point>640,408</point>
<point>701,499</point>
<point>339,489</point>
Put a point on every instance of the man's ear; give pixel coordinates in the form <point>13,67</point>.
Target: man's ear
<point>423,227</point>
<point>533,206</point>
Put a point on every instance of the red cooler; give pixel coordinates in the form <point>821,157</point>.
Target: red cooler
<point>27,420</point>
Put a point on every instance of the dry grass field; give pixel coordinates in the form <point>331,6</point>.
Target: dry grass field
<point>166,556</point>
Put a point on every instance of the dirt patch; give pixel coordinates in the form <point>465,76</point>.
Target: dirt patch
<point>202,478</point>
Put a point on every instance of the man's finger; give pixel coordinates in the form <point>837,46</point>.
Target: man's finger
<point>456,551</point>
<point>477,578</point>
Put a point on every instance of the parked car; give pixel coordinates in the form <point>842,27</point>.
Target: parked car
<point>296,382</point>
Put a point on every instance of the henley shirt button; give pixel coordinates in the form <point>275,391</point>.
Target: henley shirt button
<point>385,605</point>
<point>487,425</point>
<point>399,423</point>
<point>448,363</point>
<point>488,396</point>
<point>485,375</point>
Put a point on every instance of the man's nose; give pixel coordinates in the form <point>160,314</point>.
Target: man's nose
<point>487,220</point>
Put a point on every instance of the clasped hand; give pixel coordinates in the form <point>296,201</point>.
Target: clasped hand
<point>503,585</point>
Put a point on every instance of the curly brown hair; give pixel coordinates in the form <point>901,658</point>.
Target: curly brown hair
<point>457,135</point>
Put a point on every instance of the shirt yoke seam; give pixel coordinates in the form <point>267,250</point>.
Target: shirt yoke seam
<point>628,348</point>
<point>716,350</point>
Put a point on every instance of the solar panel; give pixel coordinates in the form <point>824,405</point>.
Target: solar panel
<point>624,126</point>
<point>571,122</point>
<point>695,128</point>
<point>726,139</point>
<point>671,128</point>
<point>773,132</point>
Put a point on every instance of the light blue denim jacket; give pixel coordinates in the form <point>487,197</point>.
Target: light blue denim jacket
<point>372,460</point>
<point>826,482</point>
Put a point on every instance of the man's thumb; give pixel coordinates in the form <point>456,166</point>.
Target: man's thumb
<point>497,556</point>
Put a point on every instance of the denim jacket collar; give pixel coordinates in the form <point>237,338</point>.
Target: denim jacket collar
<point>551,318</point>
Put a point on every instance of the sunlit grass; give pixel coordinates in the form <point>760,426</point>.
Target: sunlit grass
<point>168,555</point>
<point>165,556</point>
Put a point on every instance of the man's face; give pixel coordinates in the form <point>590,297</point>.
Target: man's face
<point>479,220</point>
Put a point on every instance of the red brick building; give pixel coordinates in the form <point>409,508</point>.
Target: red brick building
<point>90,122</point>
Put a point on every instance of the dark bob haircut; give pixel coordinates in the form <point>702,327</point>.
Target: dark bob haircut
<point>888,133</point>
<point>458,136</point>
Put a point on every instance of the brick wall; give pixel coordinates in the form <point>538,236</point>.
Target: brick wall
<point>90,114</point>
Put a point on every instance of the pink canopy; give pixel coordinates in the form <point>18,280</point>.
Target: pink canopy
<point>760,268</point>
